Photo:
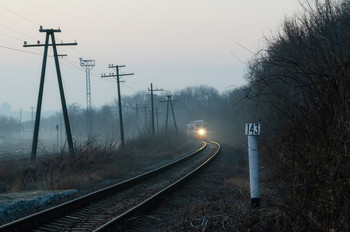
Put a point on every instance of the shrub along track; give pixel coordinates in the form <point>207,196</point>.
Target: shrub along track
<point>97,211</point>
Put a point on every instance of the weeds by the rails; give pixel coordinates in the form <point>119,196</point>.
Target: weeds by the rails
<point>89,163</point>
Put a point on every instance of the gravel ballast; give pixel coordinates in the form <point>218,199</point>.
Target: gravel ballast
<point>211,201</point>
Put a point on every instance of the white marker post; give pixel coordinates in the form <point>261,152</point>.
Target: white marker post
<point>253,131</point>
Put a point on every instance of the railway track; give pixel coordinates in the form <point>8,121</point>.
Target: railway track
<point>103,210</point>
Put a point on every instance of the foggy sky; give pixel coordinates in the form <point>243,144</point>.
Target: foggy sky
<point>173,44</point>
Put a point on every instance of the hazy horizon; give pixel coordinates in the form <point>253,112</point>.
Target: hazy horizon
<point>172,44</point>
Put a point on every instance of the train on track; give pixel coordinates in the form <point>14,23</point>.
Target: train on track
<point>197,129</point>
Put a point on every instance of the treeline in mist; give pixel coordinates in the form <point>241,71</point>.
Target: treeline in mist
<point>192,103</point>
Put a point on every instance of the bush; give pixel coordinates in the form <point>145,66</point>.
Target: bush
<point>302,82</point>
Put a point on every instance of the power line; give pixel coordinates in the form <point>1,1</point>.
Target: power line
<point>12,37</point>
<point>28,19</point>
<point>67,60</point>
<point>67,63</point>
<point>127,86</point>
<point>137,82</point>
<point>9,28</point>
<point>19,50</point>
<point>80,53</point>
<point>71,64</point>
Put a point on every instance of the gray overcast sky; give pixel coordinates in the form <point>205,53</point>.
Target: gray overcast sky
<point>171,43</point>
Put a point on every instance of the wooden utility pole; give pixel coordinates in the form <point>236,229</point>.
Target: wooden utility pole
<point>172,109</point>
<point>50,32</point>
<point>169,102</point>
<point>153,90</point>
<point>118,75</point>
<point>145,113</point>
<point>137,113</point>
<point>157,112</point>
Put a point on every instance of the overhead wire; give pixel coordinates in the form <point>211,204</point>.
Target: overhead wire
<point>124,84</point>
<point>68,64</point>
<point>83,55</point>
<point>12,37</point>
<point>94,73</point>
<point>57,38</point>
<point>18,32</point>
<point>12,11</point>
<point>16,38</point>
<point>78,67</point>
<point>19,50</point>
<point>86,56</point>
<point>65,59</point>
<point>137,82</point>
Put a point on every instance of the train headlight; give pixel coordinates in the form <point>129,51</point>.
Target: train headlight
<point>201,132</point>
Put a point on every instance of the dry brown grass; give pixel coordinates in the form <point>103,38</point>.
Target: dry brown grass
<point>87,165</point>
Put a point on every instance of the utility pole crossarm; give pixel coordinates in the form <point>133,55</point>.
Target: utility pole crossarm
<point>126,74</point>
<point>114,75</point>
<point>49,32</point>
<point>43,45</point>
<point>108,75</point>
<point>171,101</point>
<point>154,90</point>
<point>116,66</point>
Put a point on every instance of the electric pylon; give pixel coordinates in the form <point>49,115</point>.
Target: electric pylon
<point>88,65</point>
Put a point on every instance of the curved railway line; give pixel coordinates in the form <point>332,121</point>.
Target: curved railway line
<point>103,210</point>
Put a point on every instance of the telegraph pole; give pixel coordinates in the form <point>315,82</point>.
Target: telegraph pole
<point>145,112</point>
<point>50,32</point>
<point>169,102</point>
<point>167,114</point>
<point>137,111</point>
<point>118,75</point>
<point>153,90</point>
<point>137,117</point>
<point>20,123</point>
<point>157,117</point>
<point>88,65</point>
<point>172,109</point>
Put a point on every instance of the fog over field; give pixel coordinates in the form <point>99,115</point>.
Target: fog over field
<point>282,64</point>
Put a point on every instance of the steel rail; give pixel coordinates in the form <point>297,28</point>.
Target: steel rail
<point>45,216</point>
<point>156,198</point>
